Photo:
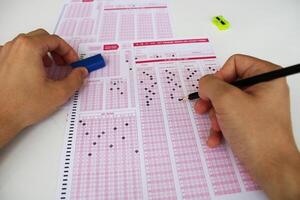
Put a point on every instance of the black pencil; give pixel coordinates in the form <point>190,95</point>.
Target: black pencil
<point>257,79</point>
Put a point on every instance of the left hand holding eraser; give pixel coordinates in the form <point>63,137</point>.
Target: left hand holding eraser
<point>30,95</point>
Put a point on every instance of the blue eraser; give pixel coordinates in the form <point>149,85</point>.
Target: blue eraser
<point>91,63</point>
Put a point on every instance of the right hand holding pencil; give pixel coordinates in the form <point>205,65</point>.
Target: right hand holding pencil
<point>255,122</point>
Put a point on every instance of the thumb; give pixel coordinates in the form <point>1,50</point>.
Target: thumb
<point>71,83</point>
<point>221,94</point>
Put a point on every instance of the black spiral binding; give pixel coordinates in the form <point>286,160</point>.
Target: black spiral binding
<point>68,150</point>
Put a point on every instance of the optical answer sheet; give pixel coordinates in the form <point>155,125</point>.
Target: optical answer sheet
<point>129,137</point>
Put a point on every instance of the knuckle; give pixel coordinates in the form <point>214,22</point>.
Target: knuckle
<point>59,39</point>
<point>236,56</point>
<point>8,44</point>
<point>21,37</point>
<point>56,37</point>
<point>23,40</point>
<point>41,30</point>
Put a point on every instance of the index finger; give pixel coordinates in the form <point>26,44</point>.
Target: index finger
<point>242,66</point>
<point>54,43</point>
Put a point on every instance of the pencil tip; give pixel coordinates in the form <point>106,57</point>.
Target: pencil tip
<point>182,99</point>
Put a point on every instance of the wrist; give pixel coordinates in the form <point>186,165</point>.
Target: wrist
<point>291,178</point>
<point>279,177</point>
<point>9,128</point>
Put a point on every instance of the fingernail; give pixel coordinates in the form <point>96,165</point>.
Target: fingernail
<point>196,107</point>
<point>212,143</point>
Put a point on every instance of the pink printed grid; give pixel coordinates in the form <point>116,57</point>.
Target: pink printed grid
<point>209,66</point>
<point>116,94</point>
<point>91,96</point>
<point>121,24</point>
<point>76,41</point>
<point>128,61</point>
<point>159,175</point>
<point>80,10</point>
<point>85,27</point>
<point>126,27</point>
<point>145,28</point>
<point>192,180</point>
<point>67,27</point>
<point>108,29</point>
<point>163,25</point>
<point>220,168</point>
<point>112,67</point>
<point>77,23</point>
<point>106,162</point>
<point>248,182</point>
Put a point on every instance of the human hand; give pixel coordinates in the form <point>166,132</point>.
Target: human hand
<point>27,95</point>
<point>256,123</point>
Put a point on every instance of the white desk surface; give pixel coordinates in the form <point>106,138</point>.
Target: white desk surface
<point>269,29</point>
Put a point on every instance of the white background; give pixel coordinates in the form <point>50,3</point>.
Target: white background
<point>269,29</point>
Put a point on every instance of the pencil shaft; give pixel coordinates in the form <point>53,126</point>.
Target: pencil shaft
<point>260,78</point>
<point>267,76</point>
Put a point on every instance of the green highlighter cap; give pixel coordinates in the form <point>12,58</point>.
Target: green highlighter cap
<point>221,22</point>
